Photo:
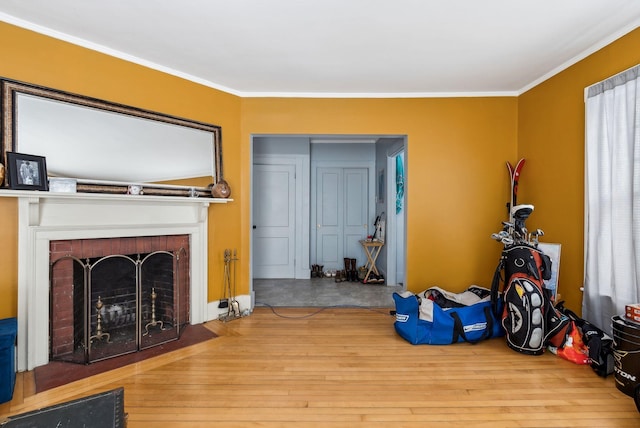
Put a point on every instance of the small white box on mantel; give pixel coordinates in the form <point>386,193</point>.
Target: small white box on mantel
<point>62,185</point>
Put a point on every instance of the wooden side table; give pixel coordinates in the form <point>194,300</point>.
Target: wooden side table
<point>372,250</point>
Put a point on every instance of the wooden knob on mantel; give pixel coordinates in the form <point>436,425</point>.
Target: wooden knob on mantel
<point>220,189</point>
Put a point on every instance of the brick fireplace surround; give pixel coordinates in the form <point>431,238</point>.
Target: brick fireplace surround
<point>45,216</point>
<point>67,325</point>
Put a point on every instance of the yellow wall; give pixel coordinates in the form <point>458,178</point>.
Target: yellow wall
<point>551,138</point>
<point>456,149</point>
<point>456,177</point>
<point>33,58</point>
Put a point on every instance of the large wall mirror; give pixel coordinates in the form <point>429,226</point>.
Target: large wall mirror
<point>99,142</point>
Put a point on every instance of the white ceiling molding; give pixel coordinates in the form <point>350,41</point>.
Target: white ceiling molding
<point>337,49</point>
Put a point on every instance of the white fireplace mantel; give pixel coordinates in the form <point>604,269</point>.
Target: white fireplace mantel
<point>48,216</point>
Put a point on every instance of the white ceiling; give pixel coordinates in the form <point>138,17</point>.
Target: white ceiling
<point>344,48</point>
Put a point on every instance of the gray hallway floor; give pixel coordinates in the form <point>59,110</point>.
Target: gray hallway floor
<point>322,292</point>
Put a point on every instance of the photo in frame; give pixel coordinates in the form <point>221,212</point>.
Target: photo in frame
<point>27,172</point>
<point>553,251</point>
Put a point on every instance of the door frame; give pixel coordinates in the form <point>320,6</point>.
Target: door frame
<point>304,182</point>
<point>392,238</point>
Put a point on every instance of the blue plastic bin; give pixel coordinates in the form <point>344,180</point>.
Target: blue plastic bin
<point>8,332</point>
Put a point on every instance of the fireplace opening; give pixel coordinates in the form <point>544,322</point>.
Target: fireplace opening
<point>110,305</point>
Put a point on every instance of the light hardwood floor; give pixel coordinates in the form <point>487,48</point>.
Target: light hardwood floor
<point>345,368</point>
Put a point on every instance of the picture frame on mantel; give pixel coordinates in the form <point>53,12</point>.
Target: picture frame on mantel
<point>27,172</point>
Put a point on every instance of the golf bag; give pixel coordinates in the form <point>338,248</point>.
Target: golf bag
<point>530,320</point>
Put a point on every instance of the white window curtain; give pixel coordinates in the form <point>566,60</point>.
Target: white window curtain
<point>612,198</point>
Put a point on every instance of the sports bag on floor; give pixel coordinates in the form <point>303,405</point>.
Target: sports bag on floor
<point>599,344</point>
<point>439,317</point>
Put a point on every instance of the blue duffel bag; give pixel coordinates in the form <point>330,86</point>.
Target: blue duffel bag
<point>439,317</point>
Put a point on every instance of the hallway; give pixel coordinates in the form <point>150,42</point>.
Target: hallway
<point>315,197</point>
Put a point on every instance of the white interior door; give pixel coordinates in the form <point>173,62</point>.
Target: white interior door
<point>341,215</point>
<point>274,221</point>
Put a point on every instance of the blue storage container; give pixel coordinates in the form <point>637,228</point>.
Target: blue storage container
<point>8,332</point>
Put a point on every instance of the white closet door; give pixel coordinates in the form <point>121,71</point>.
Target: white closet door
<point>341,215</point>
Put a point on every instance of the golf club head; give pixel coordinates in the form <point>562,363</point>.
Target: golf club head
<point>522,212</point>
<point>507,225</point>
<point>500,235</point>
<point>536,237</point>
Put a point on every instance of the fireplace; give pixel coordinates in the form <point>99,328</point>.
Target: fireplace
<point>113,296</point>
<point>46,219</point>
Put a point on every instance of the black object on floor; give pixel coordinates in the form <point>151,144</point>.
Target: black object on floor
<point>104,410</point>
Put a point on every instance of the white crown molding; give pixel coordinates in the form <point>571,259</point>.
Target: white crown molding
<point>582,55</point>
<point>111,52</point>
<point>243,94</point>
<point>268,94</point>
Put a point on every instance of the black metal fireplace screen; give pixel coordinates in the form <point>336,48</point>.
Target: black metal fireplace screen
<point>120,304</point>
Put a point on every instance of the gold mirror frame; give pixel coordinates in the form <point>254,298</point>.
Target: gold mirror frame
<point>10,89</point>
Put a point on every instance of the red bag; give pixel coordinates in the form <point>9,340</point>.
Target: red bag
<point>574,349</point>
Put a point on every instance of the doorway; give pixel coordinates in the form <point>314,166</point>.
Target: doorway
<point>334,202</point>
